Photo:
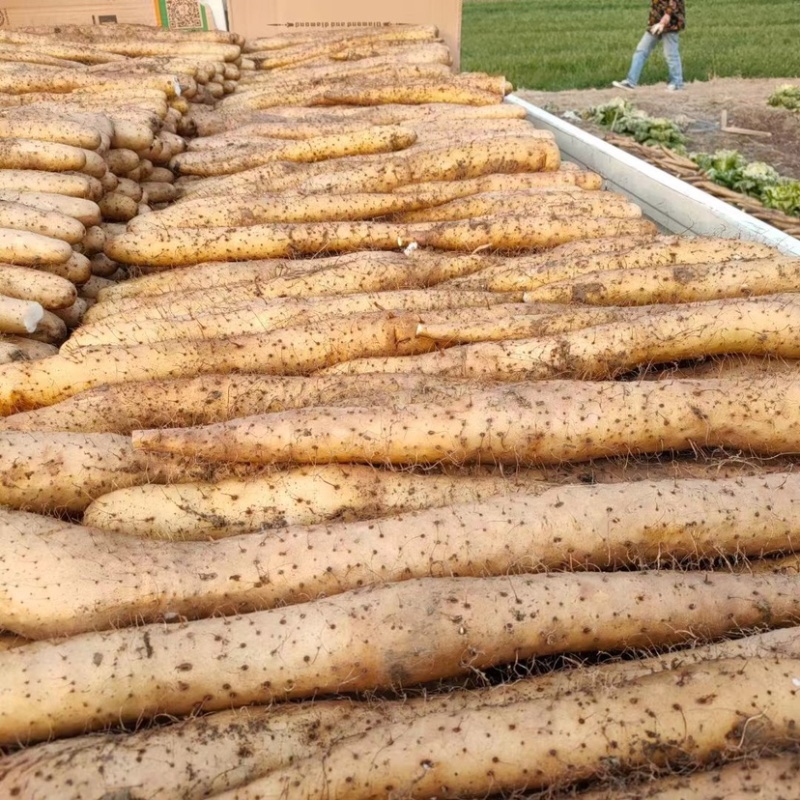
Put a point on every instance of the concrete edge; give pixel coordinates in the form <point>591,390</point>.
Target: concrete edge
<point>671,203</point>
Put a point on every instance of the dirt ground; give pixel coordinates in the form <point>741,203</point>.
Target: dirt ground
<point>698,110</point>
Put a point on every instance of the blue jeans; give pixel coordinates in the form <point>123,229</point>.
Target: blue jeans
<point>671,54</point>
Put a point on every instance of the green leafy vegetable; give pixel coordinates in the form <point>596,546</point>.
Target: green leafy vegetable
<point>621,117</point>
<point>725,167</point>
<point>784,197</point>
<point>786,96</point>
<point>755,179</point>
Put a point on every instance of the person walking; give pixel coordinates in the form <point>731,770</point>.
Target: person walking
<point>667,20</point>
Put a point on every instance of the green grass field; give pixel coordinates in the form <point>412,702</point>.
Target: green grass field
<point>569,44</point>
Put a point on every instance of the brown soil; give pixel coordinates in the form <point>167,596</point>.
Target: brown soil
<point>698,109</point>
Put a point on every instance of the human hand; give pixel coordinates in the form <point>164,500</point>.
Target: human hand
<point>657,29</point>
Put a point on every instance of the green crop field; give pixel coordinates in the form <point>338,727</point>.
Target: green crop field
<point>575,44</point>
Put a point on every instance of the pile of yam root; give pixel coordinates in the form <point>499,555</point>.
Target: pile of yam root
<point>388,455</point>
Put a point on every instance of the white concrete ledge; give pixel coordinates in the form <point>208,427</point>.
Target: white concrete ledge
<point>671,203</point>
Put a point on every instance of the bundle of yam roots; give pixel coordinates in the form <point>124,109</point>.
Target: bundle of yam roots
<point>88,126</point>
<point>394,459</point>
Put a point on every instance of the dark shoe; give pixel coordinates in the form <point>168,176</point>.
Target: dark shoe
<point>626,84</point>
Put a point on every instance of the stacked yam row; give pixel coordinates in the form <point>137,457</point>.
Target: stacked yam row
<point>88,122</point>
<point>411,464</point>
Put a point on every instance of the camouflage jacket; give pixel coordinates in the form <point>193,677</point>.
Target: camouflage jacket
<point>676,10</point>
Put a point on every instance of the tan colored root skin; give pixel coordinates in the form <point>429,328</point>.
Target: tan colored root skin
<point>50,291</point>
<point>83,34</point>
<point>51,329</point>
<point>412,92</point>
<point>270,90</point>
<point>238,311</point>
<point>549,422</point>
<point>260,316</point>
<point>680,284</point>
<point>102,266</point>
<point>20,317</point>
<point>121,161</point>
<point>85,211</point>
<point>93,241</point>
<point>22,348</point>
<point>72,315</point>
<point>523,322</point>
<point>438,192</point>
<point>304,496</point>
<point>272,126</point>
<point>90,288</point>
<point>76,269</point>
<point>386,139</point>
<point>158,192</point>
<point>775,776</point>
<point>532,530</point>
<point>117,207</point>
<point>751,326</point>
<point>32,249</point>
<point>293,122</point>
<point>192,759</point>
<point>384,173</point>
<point>419,269</point>
<point>429,629</point>
<point>62,131</point>
<point>544,744</point>
<point>129,188</point>
<point>47,471</point>
<point>568,261</point>
<point>47,223</point>
<point>283,207</point>
<point>10,353</point>
<point>329,41</point>
<point>213,398</point>
<point>193,245</point>
<point>396,178</point>
<point>531,202</point>
<point>297,351</point>
<point>231,285</point>
<point>428,134</point>
<point>215,752</point>
<point>32,154</point>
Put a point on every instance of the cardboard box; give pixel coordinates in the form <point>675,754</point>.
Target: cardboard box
<point>22,13</point>
<point>179,14</point>
<point>254,18</point>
